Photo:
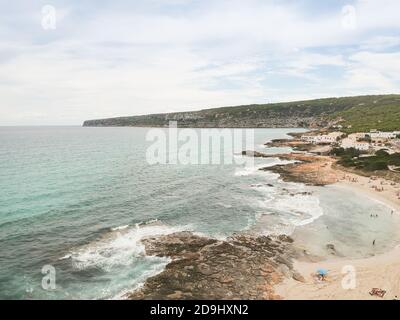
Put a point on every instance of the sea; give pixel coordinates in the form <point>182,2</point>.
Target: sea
<point>75,203</point>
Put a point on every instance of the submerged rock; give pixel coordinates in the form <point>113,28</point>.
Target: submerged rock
<point>331,249</point>
<point>298,277</point>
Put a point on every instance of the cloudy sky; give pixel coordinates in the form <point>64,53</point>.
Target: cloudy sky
<point>62,62</point>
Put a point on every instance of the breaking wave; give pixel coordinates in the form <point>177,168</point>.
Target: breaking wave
<point>119,247</point>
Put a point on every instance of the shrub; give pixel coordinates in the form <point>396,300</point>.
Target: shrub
<point>376,165</point>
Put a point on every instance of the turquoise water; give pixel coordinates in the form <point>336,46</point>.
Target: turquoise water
<point>62,188</point>
<point>81,199</point>
<point>347,223</point>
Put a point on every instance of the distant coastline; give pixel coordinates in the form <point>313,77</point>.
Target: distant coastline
<point>380,112</point>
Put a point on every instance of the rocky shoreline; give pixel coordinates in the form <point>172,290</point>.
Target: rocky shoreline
<point>292,143</point>
<point>240,267</point>
<point>244,266</point>
<point>312,173</point>
<point>309,169</point>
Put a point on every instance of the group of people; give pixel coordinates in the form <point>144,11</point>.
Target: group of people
<point>350,178</point>
<point>379,189</point>
<point>374,215</point>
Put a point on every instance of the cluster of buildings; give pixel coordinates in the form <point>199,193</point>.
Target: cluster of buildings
<point>351,142</point>
<point>364,141</point>
<point>329,138</point>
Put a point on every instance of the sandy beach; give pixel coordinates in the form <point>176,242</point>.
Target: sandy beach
<point>388,196</point>
<point>380,271</point>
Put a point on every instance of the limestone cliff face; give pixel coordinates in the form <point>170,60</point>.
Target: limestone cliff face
<point>215,120</point>
<point>378,112</point>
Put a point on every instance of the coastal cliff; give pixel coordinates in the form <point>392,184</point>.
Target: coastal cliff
<point>353,113</point>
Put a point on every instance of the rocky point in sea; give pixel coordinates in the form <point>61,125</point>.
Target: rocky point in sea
<point>240,267</point>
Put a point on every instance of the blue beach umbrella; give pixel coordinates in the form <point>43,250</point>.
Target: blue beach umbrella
<point>322,272</point>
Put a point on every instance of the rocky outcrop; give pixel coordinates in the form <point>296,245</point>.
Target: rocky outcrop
<point>313,174</point>
<point>295,144</point>
<point>309,169</point>
<point>241,267</point>
<point>255,154</point>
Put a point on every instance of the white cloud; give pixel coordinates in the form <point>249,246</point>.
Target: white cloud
<point>136,58</point>
<point>377,72</point>
<point>381,43</point>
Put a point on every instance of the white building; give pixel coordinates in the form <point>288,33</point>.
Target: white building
<point>336,134</point>
<point>382,135</point>
<point>352,143</point>
<point>307,138</point>
<point>357,136</point>
<point>323,139</point>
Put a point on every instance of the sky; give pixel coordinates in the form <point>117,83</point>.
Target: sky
<point>62,62</point>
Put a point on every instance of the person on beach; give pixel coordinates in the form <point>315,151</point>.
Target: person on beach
<point>373,242</point>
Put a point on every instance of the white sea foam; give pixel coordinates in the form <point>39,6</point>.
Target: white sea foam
<point>119,247</point>
<point>120,227</point>
<point>140,280</point>
<point>67,256</point>
<point>217,236</point>
<point>288,205</point>
<point>246,171</point>
<point>123,247</point>
<point>285,206</point>
<point>296,209</point>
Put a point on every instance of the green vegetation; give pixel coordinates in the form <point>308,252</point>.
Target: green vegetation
<point>345,153</point>
<point>361,113</point>
<point>380,112</point>
<point>380,161</point>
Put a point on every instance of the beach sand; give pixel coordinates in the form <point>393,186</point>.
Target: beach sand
<point>380,271</point>
<point>365,185</point>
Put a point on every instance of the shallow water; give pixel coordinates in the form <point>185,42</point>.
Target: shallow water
<point>348,225</point>
<point>79,199</point>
